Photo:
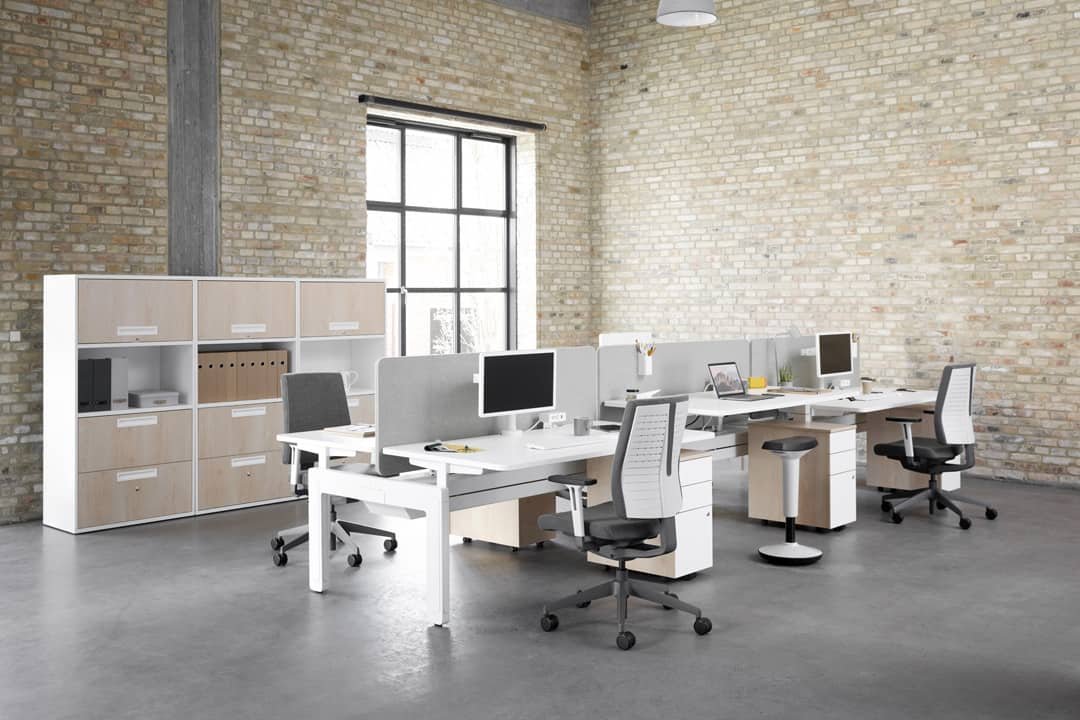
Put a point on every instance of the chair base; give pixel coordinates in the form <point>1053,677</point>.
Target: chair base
<point>936,498</point>
<point>622,588</point>
<point>789,553</point>
<point>341,531</point>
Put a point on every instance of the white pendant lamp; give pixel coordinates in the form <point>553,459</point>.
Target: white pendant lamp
<point>686,13</point>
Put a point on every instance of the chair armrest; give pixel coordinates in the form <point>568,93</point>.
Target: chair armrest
<point>576,480</point>
<point>576,484</point>
<point>905,426</point>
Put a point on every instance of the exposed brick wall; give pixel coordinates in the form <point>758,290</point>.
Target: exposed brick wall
<point>909,170</point>
<point>82,184</point>
<point>293,166</point>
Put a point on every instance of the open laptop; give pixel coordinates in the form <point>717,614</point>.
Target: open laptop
<point>727,382</point>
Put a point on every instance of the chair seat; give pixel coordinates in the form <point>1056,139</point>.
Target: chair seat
<point>924,449</point>
<point>602,523</point>
<point>798,443</point>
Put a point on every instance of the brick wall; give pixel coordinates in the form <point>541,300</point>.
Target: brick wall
<point>82,184</point>
<point>292,155</point>
<point>908,170</point>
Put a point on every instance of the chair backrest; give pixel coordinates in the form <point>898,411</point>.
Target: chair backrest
<point>645,472</point>
<point>312,401</point>
<point>952,413</point>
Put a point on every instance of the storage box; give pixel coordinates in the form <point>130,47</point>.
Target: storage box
<point>217,376</point>
<point>153,398</point>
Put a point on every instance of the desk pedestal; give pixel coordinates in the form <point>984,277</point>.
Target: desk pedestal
<point>512,523</point>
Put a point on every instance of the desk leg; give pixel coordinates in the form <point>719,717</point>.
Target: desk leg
<point>438,551</point>
<point>318,529</point>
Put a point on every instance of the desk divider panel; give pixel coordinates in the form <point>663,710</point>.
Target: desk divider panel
<point>428,398</point>
<point>765,353</point>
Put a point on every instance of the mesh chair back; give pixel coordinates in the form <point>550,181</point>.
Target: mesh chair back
<point>312,401</point>
<point>645,473</point>
<point>952,414</point>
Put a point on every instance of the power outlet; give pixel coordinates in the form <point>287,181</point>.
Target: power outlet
<point>845,382</point>
<point>555,418</point>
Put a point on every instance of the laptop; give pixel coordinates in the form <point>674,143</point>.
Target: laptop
<point>727,382</point>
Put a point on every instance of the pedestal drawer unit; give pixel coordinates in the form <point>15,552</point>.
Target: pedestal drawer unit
<point>238,309</point>
<point>339,308</point>
<point>108,497</point>
<point>242,479</point>
<point>127,311</point>
<point>125,441</point>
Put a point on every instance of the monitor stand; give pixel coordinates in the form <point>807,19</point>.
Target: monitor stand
<point>507,425</point>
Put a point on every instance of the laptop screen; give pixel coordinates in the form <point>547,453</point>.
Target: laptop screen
<point>726,379</point>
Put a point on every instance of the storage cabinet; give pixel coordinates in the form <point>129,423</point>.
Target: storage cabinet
<point>128,311</point>
<point>238,310</point>
<point>336,308</point>
<point>222,345</point>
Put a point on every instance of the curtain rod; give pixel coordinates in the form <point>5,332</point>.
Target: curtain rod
<point>463,114</point>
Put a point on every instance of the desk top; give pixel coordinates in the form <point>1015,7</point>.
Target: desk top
<point>706,403</point>
<point>878,401</point>
<point>315,440</point>
<point>504,453</point>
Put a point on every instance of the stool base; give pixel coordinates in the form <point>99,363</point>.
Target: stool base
<point>789,553</point>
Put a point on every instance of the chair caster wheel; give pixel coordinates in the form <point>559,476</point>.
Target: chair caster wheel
<point>549,622</point>
<point>964,523</point>
<point>540,545</point>
<point>280,559</point>
<point>390,544</point>
<point>940,505</point>
<point>991,514</point>
<point>671,595</point>
<point>513,549</point>
<point>466,540</point>
<point>625,640</point>
<point>354,560</point>
<point>897,518</point>
<point>277,542</point>
<point>584,604</point>
<point>886,506</point>
<point>702,626</point>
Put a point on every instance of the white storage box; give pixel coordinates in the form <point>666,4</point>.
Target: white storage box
<point>153,398</point>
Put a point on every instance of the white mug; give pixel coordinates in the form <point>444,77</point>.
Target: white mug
<point>349,377</point>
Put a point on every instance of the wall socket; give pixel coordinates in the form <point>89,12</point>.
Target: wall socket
<point>554,418</point>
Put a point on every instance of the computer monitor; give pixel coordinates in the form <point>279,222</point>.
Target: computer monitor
<point>834,355</point>
<point>516,382</point>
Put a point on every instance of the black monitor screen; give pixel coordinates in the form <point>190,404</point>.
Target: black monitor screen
<point>517,382</point>
<point>834,353</point>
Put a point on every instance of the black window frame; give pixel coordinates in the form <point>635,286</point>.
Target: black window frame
<point>509,216</point>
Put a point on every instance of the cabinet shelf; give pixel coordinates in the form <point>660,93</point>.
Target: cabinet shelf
<point>135,411</point>
<point>329,338</point>
<point>247,341</point>
<point>129,345</point>
<point>232,403</point>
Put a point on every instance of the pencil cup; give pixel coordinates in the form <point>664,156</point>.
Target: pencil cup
<point>644,365</point>
<point>581,426</point>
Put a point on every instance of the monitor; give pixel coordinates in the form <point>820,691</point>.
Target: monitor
<point>834,354</point>
<point>726,379</point>
<point>517,382</point>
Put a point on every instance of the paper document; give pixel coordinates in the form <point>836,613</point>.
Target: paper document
<point>361,430</point>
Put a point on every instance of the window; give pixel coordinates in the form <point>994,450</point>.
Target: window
<point>440,233</point>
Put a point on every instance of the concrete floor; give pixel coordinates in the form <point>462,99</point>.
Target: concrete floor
<point>189,619</point>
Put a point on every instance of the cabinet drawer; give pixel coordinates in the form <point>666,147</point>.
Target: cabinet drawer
<point>696,496</point>
<point>115,496</point>
<point>134,310</point>
<point>235,309</point>
<point>841,462</point>
<point>362,409</point>
<point>238,430</point>
<point>341,308</point>
<point>697,470</point>
<point>127,441</point>
<point>842,441</point>
<point>242,479</point>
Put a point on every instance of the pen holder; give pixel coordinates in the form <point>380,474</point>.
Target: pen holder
<point>644,365</point>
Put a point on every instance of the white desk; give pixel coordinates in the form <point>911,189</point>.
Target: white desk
<point>879,401</point>
<point>707,404</point>
<point>504,468</point>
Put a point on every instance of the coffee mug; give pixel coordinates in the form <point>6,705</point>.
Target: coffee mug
<point>867,387</point>
<point>349,378</point>
<point>581,425</point>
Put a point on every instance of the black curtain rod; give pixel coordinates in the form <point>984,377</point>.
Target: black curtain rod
<point>463,114</point>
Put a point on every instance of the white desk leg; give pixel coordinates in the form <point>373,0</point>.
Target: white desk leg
<point>318,529</point>
<point>438,551</point>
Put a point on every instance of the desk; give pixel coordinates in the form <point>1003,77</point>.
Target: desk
<point>707,404</point>
<point>504,468</point>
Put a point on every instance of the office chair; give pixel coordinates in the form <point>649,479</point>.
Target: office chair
<point>313,401</point>
<point>954,436</point>
<point>646,494</point>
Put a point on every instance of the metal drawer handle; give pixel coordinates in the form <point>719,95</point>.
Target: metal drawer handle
<point>128,476</point>
<point>345,325</point>
<point>353,402</point>
<point>245,461</point>
<point>243,328</point>
<point>141,421</point>
<point>136,330</point>
<point>249,411</point>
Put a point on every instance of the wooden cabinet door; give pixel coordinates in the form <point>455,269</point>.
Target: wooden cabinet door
<point>237,430</point>
<point>112,310</point>
<point>115,496</point>
<point>126,441</point>
<point>342,308</point>
<point>240,310</point>
<point>242,479</point>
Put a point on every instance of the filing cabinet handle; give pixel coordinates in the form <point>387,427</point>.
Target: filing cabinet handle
<point>129,475</point>
<point>141,421</point>
<point>353,402</point>
<point>251,460</point>
<point>249,411</point>
<point>136,330</point>
<point>246,328</point>
<point>344,325</point>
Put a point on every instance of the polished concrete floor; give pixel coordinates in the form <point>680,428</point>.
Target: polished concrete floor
<point>189,619</point>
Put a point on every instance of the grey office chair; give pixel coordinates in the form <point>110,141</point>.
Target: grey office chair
<point>313,401</point>
<point>646,494</point>
<point>954,436</point>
